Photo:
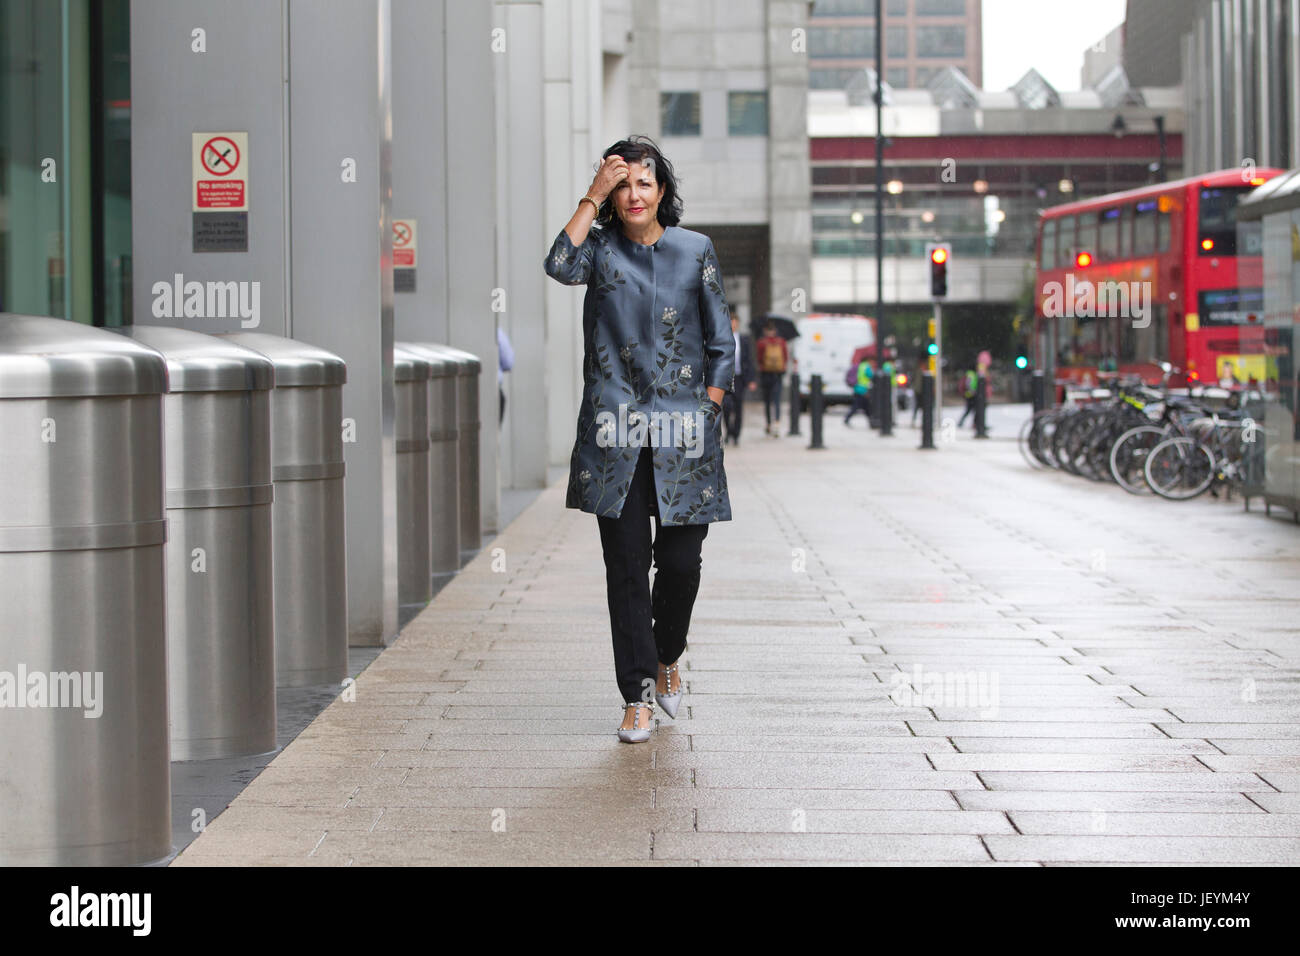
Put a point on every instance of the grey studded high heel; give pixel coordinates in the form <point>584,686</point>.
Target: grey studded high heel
<point>670,702</point>
<point>636,734</point>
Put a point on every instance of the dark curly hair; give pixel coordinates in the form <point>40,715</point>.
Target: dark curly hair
<point>642,149</point>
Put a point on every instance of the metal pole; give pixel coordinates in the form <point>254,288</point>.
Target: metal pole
<point>794,404</point>
<point>927,411</point>
<point>887,403</point>
<point>880,172</point>
<point>1039,390</point>
<point>980,407</point>
<point>938,363</point>
<point>815,407</point>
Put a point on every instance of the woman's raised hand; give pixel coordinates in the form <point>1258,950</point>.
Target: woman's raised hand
<point>613,170</point>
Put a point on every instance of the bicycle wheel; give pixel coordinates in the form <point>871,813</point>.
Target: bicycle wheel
<point>1031,435</point>
<point>1128,457</point>
<point>1179,468</point>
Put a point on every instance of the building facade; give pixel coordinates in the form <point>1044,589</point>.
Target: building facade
<point>922,37</point>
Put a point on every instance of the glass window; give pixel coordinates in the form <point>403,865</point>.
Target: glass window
<point>1047,246</point>
<point>840,8</point>
<point>1144,228</point>
<point>896,41</point>
<point>1217,230</point>
<point>1162,231</point>
<point>826,42</point>
<point>1066,242</point>
<point>679,114</point>
<point>941,41</point>
<point>896,8</point>
<point>1126,232</point>
<point>1108,235</point>
<point>896,76</point>
<point>940,8</point>
<point>747,113</point>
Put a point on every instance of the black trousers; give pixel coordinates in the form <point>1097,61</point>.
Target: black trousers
<point>770,385</point>
<point>861,403</point>
<point>649,625</point>
<point>733,412</point>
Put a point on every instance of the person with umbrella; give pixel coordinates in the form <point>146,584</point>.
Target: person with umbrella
<point>773,357</point>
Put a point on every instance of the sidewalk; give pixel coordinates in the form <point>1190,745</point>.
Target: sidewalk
<point>1077,676</point>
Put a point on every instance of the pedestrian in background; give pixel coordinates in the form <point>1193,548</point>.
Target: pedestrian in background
<point>505,362</point>
<point>624,244</point>
<point>861,392</point>
<point>773,356</point>
<point>733,404</point>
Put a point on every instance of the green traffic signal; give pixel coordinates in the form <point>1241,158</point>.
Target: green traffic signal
<point>1022,362</point>
<point>932,349</point>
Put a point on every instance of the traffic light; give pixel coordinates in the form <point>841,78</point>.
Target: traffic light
<point>938,254</point>
<point>931,346</point>
<point>1022,356</point>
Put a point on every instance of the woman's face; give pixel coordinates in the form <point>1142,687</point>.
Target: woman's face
<point>636,199</point>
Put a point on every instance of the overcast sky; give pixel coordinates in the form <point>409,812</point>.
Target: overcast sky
<point>1048,35</point>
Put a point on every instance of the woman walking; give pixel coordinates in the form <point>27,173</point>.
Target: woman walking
<point>658,359</point>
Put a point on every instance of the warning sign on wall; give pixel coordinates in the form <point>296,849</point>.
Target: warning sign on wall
<point>219,191</point>
<point>404,255</point>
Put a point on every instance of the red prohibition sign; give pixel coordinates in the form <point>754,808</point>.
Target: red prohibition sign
<point>401,233</point>
<point>220,148</point>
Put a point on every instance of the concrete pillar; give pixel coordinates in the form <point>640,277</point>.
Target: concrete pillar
<point>340,82</point>
<point>789,200</point>
<point>471,156</point>
<point>198,68</point>
<point>319,246</point>
<point>524,233</point>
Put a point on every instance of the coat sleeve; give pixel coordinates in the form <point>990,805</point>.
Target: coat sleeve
<point>570,264</point>
<point>719,344</point>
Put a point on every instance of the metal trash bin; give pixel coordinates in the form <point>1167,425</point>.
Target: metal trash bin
<point>308,513</point>
<point>468,425</point>
<point>84,772</point>
<point>411,427</point>
<point>444,461</point>
<point>220,610</point>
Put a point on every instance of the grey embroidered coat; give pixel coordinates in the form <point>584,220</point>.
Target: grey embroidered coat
<point>656,334</point>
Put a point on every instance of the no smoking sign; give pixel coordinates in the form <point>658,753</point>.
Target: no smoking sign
<point>220,168</point>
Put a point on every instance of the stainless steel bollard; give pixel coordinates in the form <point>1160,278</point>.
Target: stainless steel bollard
<point>307,516</point>
<point>444,461</point>
<point>220,612</point>
<point>468,425</point>
<point>411,426</point>
<point>84,772</point>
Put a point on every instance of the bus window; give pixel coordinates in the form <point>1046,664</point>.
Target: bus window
<point>1047,246</point>
<point>1144,228</point>
<point>1067,247</point>
<point>1108,235</point>
<point>1126,232</point>
<point>1162,231</point>
<point>1216,233</point>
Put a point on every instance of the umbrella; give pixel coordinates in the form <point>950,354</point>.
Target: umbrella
<point>784,325</point>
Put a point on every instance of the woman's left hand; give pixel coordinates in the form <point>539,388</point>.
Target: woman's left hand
<point>716,394</point>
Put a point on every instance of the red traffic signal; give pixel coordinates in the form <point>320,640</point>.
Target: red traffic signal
<point>938,254</point>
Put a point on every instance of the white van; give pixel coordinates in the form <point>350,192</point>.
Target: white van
<point>825,347</point>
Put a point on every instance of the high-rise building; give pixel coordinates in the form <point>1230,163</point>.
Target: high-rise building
<point>922,38</point>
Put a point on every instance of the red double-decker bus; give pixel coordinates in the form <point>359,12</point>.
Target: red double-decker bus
<point>1161,273</point>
